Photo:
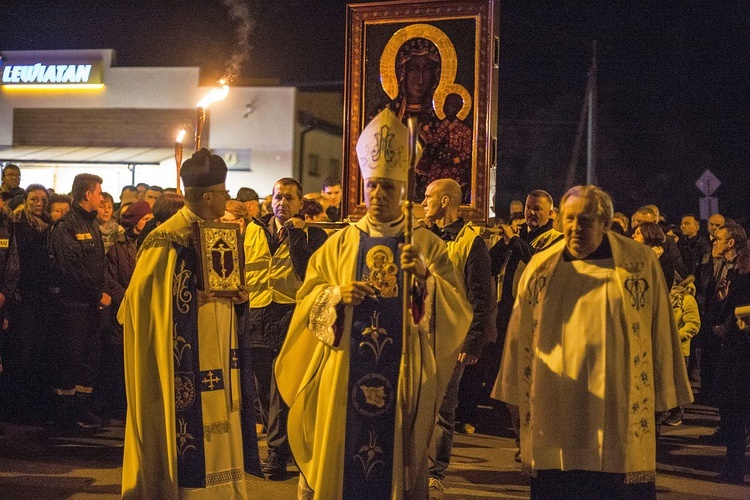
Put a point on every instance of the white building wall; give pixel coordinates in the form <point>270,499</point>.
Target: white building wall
<point>260,119</point>
<point>255,119</point>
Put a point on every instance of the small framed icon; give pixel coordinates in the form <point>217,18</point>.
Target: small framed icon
<point>221,257</point>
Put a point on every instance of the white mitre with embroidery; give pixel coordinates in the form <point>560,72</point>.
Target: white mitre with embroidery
<point>382,148</point>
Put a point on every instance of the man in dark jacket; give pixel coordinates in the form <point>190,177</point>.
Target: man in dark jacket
<point>277,248</point>
<point>693,245</point>
<point>470,256</point>
<point>509,257</point>
<point>513,251</point>
<point>77,249</point>
<point>9,267</point>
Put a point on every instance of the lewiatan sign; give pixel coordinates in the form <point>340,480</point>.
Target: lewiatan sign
<point>68,75</point>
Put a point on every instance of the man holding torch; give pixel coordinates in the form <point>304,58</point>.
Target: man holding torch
<point>351,393</point>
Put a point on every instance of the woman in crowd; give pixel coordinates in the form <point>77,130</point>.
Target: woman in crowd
<point>312,211</point>
<point>166,206</point>
<point>119,270</point>
<point>688,320</point>
<point>108,226</point>
<point>236,213</point>
<point>58,205</point>
<point>649,233</point>
<point>265,207</point>
<point>26,358</point>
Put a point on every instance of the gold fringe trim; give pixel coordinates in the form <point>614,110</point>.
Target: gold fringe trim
<point>216,428</point>
<point>164,239</point>
<point>644,476</point>
<point>236,405</point>
<point>227,476</point>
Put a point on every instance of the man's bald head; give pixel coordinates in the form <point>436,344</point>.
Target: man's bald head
<point>442,197</point>
<point>451,189</point>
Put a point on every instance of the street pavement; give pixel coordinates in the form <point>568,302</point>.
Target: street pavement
<point>38,462</point>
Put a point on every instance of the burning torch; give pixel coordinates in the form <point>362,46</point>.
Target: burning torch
<point>216,94</point>
<point>178,156</point>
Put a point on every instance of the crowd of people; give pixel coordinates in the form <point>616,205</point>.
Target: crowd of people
<point>566,314</point>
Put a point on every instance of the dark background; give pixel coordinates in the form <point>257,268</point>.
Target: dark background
<point>673,81</point>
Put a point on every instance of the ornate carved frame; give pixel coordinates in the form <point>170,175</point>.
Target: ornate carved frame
<point>476,59</point>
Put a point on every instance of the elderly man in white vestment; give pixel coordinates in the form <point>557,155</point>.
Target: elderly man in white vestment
<point>592,353</point>
<point>350,392</point>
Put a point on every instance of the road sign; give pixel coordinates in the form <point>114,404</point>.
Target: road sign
<point>708,183</point>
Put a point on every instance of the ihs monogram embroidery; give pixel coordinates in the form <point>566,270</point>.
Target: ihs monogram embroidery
<point>636,286</point>
<point>534,291</point>
<point>180,289</point>
<point>382,145</point>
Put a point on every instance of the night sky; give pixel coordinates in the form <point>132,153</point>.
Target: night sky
<point>674,81</point>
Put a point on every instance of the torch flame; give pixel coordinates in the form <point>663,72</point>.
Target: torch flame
<point>216,94</point>
<point>181,136</point>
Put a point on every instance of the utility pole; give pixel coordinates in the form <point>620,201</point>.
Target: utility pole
<point>587,122</point>
<point>591,135</point>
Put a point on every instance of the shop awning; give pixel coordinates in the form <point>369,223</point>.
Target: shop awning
<point>41,155</point>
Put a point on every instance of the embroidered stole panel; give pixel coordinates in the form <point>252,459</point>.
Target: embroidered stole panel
<point>374,366</point>
<point>191,381</point>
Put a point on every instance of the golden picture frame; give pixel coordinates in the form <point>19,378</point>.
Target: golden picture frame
<point>437,60</point>
<point>220,253</point>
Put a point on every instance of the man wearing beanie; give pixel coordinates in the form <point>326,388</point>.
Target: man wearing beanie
<point>183,433</point>
<point>120,263</point>
<point>350,392</point>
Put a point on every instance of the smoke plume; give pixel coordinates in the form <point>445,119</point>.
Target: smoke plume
<point>239,13</point>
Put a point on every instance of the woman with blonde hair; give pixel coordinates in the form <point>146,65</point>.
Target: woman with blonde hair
<point>236,213</point>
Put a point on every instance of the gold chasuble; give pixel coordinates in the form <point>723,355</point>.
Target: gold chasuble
<point>592,353</point>
<point>182,432</point>
<point>342,373</point>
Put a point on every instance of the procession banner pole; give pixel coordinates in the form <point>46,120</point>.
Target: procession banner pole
<point>178,156</point>
<point>408,284</point>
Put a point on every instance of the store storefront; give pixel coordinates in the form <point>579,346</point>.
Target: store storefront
<point>67,112</point>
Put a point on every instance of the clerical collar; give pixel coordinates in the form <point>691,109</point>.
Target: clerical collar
<point>603,252</point>
<point>381,229</point>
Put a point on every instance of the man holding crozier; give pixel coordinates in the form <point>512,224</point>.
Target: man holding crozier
<point>341,369</point>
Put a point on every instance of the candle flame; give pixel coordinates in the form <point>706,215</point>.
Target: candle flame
<point>181,135</point>
<point>216,94</point>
